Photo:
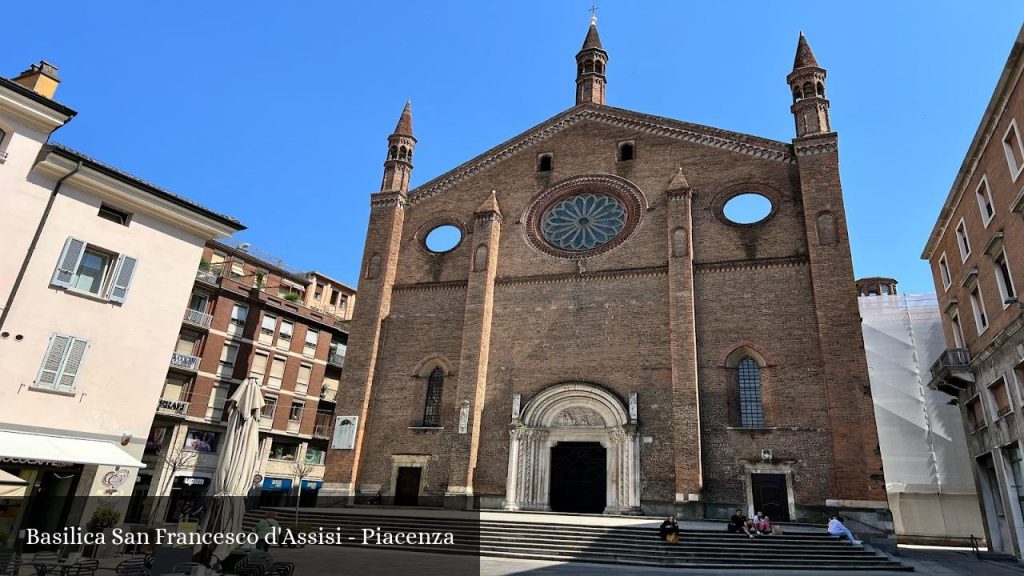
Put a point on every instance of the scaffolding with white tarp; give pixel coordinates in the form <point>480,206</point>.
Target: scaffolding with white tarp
<point>928,473</point>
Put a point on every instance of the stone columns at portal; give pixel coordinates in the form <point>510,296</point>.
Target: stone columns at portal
<point>685,390</point>
<point>472,383</point>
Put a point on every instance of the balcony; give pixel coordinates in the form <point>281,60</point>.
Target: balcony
<point>951,372</point>
<point>336,359</point>
<point>209,276</point>
<point>198,319</point>
<point>175,407</point>
<point>185,361</point>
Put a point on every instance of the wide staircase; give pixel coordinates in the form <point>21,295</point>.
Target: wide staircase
<point>535,539</point>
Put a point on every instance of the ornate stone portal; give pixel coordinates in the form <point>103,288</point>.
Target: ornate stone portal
<point>572,412</point>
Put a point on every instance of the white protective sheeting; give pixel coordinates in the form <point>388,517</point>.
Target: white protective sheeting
<point>921,436</point>
<point>41,447</point>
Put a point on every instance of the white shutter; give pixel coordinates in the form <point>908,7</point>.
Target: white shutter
<point>122,278</point>
<point>50,369</point>
<point>70,257</point>
<point>73,363</point>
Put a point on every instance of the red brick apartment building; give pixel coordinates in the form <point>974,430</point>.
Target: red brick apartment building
<point>248,316</point>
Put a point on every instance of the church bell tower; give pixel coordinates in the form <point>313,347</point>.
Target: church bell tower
<point>807,82</point>
<point>591,63</point>
<point>398,166</point>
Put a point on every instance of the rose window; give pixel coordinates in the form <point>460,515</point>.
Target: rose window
<point>583,222</point>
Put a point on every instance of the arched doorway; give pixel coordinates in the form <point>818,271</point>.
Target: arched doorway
<point>566,435</point>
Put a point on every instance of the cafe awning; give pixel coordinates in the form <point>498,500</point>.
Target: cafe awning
<point>33,447</point>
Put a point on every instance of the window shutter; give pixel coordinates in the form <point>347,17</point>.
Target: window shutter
<point>68,263</point>
<point>50,370</point>
<point>122,278</point>
<point>72,365</point>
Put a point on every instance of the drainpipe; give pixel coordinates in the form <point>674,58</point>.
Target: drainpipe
<point>32,246</point>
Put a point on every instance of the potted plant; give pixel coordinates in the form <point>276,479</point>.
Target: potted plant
<point>292,296</point>
<point>104,518</point>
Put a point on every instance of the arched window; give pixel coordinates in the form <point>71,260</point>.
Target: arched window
<point>821,90</point>
<point>588,66</point>
<point>808,89</point>
<point>401,153</point>
<point>394,152</point>
<point>598,67</point>
<point>625,151</point>
<point>796,93</point>
<point>544,163</point>
<point>432,405</point>
<point>751,409</point>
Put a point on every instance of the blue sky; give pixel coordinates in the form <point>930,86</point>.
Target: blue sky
<point>277,113</point>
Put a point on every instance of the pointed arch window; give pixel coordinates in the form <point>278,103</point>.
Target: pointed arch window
<point>751,408</point>
<point>432,405</point>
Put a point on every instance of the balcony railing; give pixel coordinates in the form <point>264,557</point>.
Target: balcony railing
<point>197,318</point>
<point>322,431</point>
<point>209,276</point>
<point>336,359</point>
<point>177,407</point>
<point>951,371</point>
<point>184,361</point>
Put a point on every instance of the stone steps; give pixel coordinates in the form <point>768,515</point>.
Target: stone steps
<point>629,545</point>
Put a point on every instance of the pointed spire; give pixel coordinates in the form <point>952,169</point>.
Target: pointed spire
<point>678,181</point>
<point>405,122</point>
<point>490,205</point>
<point>804,57</point>
<point>593,40</point>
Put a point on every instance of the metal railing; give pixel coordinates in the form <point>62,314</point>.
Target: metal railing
<point>210,276</point>
<point>958,359</point>
<point>336,359</point>
<point>198,318</point>
<point>184,361</point>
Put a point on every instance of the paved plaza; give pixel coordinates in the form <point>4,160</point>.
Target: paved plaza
<point>344,561</point>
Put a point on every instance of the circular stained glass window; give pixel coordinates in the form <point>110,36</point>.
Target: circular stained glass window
<point>583,222</point>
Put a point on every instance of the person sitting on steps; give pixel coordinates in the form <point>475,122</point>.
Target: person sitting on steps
<point>837,528</point>
<point>740,523</point>
<point>762,524</point>
<point>670,529</point>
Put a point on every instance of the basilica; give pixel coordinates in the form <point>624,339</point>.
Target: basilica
<point>574,321</point>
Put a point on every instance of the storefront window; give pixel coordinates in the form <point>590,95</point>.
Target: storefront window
<point>1017,466</point>
<point>284,451</point>
<point>314,455</point>
<point>200,441</point>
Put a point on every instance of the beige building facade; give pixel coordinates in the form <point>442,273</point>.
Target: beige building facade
<point>95,262</point>
<point>976,253</point>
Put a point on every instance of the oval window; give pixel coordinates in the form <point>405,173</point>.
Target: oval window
<point>747,208</point>
<point>443,238</point>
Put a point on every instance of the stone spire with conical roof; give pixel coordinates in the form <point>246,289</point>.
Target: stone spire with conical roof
<point>804,56</point>
<point>807,83</point>
<point>398,166</point>
<point>591,63</point>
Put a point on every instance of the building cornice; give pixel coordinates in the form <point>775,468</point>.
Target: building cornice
<point>760,263</point>
<point>1008,80</point>
<point>95,180</point>
<point>582,276</point>
<point>33,109</point>
<point>763,148</point>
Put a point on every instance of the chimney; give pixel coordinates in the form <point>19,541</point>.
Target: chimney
<point>40,78</point>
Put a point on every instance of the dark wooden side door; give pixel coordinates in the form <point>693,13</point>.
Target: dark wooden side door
<point>407,486</point>
<point>770,496</point>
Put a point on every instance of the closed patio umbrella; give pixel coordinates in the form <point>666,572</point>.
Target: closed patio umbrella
<point>236,465</point>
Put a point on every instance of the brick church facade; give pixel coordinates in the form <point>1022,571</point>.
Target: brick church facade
<point>602,338</point>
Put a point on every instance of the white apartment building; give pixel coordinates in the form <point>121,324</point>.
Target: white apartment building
<point>95,267</point>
